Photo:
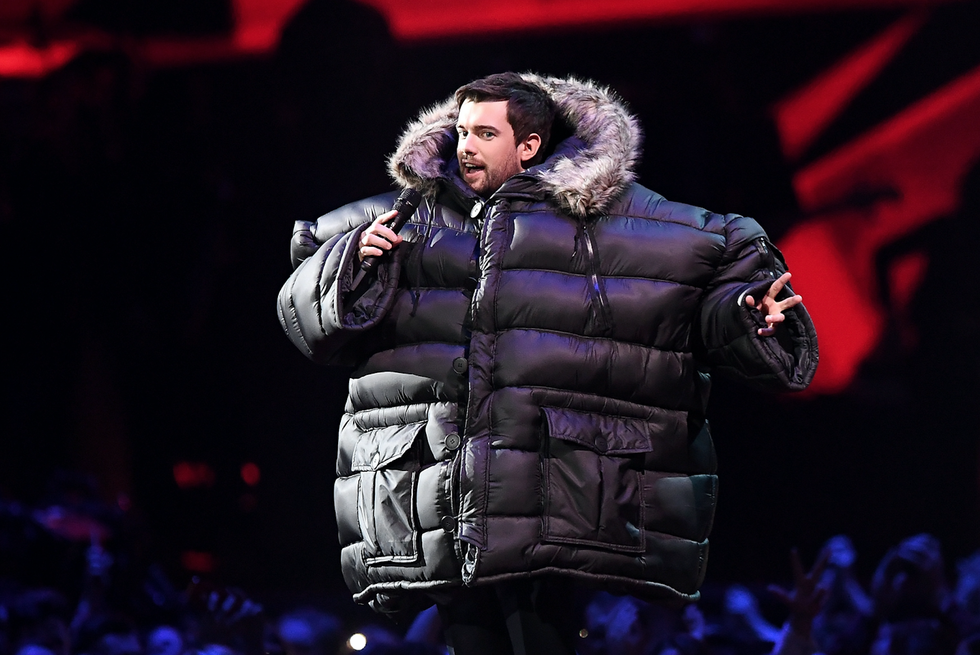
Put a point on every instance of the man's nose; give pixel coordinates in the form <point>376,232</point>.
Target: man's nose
<point>465,144</point>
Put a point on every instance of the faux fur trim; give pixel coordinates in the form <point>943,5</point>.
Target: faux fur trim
<point>583,185</point>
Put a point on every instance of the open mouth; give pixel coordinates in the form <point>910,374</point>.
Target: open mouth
<point>470,169</point>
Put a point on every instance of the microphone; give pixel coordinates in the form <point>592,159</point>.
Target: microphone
<point>406,204</point>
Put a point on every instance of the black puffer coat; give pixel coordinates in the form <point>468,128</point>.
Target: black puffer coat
<point>532,371</point>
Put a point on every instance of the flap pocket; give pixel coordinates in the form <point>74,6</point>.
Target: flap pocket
<point>376,448</point>
<point>593,480</point>
<point>605,435</point>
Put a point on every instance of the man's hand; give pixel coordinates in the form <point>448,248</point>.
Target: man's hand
<point>378,239</point>
<point>771,308</point>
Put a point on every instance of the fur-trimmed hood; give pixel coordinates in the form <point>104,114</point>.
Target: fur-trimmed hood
<point>582,184</point>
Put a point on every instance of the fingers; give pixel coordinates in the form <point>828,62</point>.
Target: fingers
<point>781,594</point>
<point>792,301</point>
<point>778,284</point>
<point>769,300</point>
<point>794,560</point>
<point>378,238</point>
<point>772,322</point>
<point>373,245</point>
<point>804,578</point>
<point>820,565</point>
<point>379,228</point>
<point>384,218</point>
<point>771,307</point>
<point>774,319</point>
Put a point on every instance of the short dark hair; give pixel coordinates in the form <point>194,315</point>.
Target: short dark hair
<point>530,110</point>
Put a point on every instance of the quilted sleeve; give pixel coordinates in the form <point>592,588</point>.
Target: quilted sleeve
<point>316,306</point>
<point>729,341</point>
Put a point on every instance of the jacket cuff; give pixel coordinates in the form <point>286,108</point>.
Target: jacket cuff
<point>790,355</point>
<point>302,244</point>
<point>363,310</point>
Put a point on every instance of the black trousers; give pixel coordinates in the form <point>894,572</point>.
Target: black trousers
<point>527,617</point>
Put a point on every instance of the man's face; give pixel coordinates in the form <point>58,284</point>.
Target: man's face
<point>487,152</point>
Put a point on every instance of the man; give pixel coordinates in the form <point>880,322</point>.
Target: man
<point>531,360</point>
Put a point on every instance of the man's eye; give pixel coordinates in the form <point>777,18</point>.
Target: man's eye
<point>488,135</point>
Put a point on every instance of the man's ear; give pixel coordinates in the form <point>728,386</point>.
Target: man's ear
<point>529,147</point>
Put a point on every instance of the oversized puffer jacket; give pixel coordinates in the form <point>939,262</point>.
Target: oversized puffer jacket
<point>532,370</point>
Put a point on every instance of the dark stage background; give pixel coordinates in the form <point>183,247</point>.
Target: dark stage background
<point>147,199</point>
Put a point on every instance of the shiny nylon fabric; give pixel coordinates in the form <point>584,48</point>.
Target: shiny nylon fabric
<point>530,399</point>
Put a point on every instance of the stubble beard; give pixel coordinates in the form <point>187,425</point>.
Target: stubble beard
<point>491,178</point>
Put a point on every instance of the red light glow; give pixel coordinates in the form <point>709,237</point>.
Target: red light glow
<point>827,272</point>
<point>251,474</point>
<point>423,19</point>
<point>922,154</point>
<point>802,116</point>
<point>904,277</point>
<point>188,475</point>
<point>258,24</point>
<point>20,59</point>
<point>197,561</point>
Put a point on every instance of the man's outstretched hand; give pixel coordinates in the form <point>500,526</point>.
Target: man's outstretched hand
<point>772,308</point>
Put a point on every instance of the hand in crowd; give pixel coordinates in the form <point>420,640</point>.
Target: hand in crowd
<point>231,606</point>
<point>839,578</point>
<point>807,596</point>
<point>99,561</point>
<point>695,622</point>
<point>214,620</point>
<point>741,603</point>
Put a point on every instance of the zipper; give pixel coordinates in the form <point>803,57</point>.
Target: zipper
<point>455,485</point>
<point>602,322</point>
<point>471,560</point>
<point>766,253</point>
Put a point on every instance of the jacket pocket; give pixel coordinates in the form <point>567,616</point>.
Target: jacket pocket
<point>387,465</point>
<point>593,480</point>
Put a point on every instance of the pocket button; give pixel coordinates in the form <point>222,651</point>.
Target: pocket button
<point>453,442</point>
<point>460,364</point>
<point>448,523</point>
